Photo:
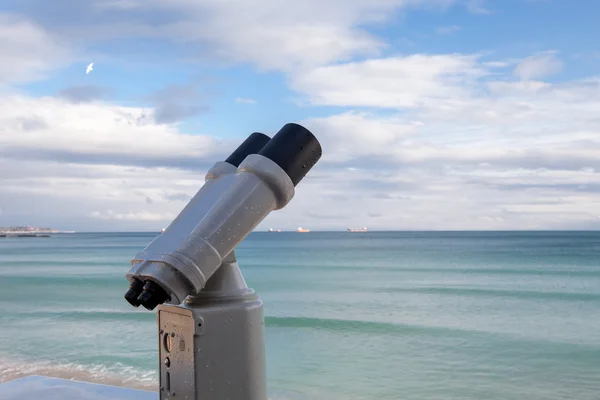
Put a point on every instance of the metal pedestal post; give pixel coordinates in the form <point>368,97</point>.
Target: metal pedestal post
<point>212,346</point>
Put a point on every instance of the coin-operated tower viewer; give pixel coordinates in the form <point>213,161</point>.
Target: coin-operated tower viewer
<point>210,324</point>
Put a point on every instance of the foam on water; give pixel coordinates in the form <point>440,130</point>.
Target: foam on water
<point>37,387</point>
<point>116,375</point>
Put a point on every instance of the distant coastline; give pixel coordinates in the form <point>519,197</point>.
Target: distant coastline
<point>28,231</point>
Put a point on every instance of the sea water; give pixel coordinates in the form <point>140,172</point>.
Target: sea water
<point>349,316</point>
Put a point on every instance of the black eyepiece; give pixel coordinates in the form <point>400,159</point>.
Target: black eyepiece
<point>135,289</point>
<point>152,295</point>
<point>252,145</point>
<point>295,149</point>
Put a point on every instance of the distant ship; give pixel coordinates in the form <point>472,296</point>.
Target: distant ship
<point>300,229</point>
<point>363,229</point>
<point>273,230</point>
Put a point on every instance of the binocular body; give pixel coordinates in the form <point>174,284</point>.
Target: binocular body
<point>258,177</point>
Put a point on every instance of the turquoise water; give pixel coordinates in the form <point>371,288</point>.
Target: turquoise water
<point>349,315</point>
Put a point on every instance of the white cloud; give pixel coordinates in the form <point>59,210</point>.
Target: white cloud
<point>497,64</point>
<point>272,35</point>
<point>448,30</point>
<point>89,196</point>
<point>491,155</point>
<point>518,88</point>
<point>285,35</point>
<point>478,7</point>
<point>118,4</point>
<point>424,170</point>
<point>79,166</point>
<point>348,136</point>
<point>245,101</point>
<point>446,144</point>
<point>134,216</point>
<point>51,127</point>
<point>471,154</point>
<point>28,52</point>
<point>538,66</point>
<point>462,140</point>
<point>394,82</point>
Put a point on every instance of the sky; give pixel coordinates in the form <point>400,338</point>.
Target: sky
<point>432,114</point>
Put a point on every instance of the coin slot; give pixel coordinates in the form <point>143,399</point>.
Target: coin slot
<point>167,342</point>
